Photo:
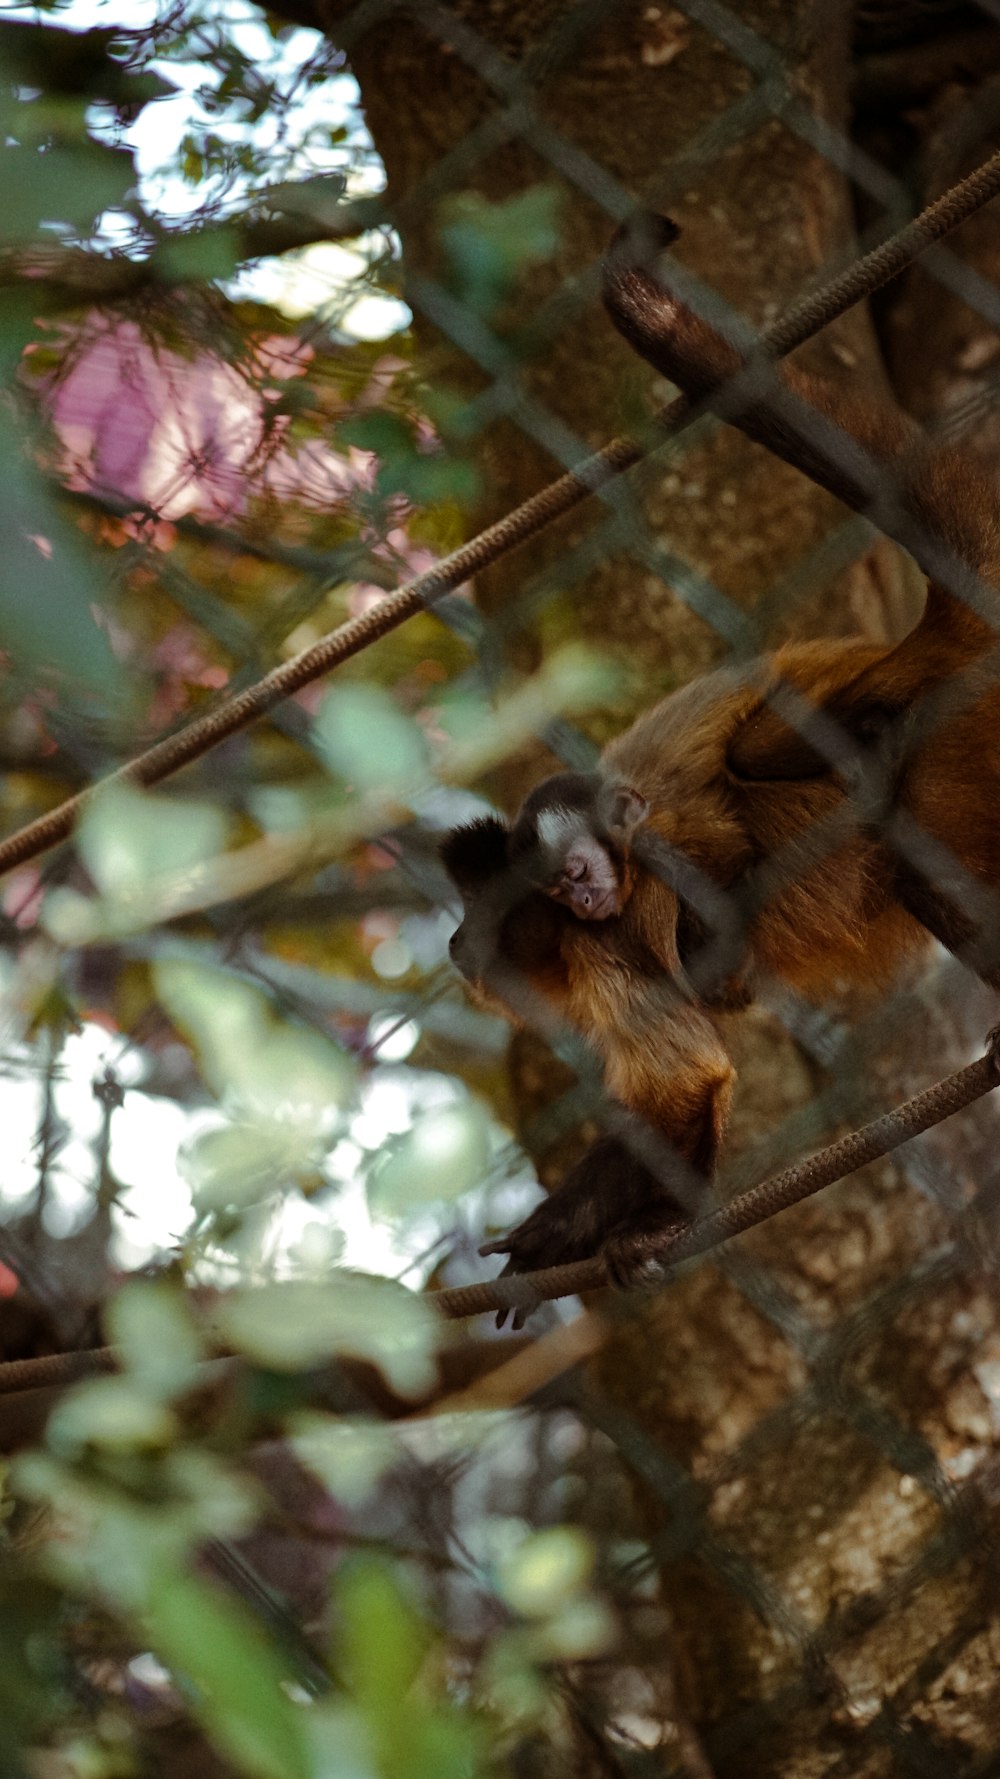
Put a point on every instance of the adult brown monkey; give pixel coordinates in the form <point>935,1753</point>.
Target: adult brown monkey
<point>814,816</point>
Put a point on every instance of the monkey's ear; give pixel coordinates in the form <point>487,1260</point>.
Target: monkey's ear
<point>474,854</point>
<point>627,809</point>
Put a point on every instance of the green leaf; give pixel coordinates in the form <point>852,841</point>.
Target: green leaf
<point>546,1570</point>
<point>289,1325</point>
<point>32,1663</point>
<point>111,1541</point>
<point>127,838</point>
<point>383,1648</point>
<point>111,1412</point>
<point>268,1069</point>
<point>49,588</point>
<point>511,1680</point>
<point>580,1630</point>
<point>319,198</point>
<point>68,186</point>
<point>220,1012</point>
<point>340,1742</point>
<point>385,434</point>
<point>143,853</point>
<point>382,1637</point>
<point>463,715</point>
<point>213,1644</point>
<point>406,467</point>
<point>445,1151</point>
<point>487,243</point>
<point>302,1074</point>
<point>200,256</point>
<point>238,1164</point>
<point>192,162</point>
<point>349,1456</point>
<point>159,1344</point>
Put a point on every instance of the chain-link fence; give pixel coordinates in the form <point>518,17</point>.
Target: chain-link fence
<point>799,1575</point>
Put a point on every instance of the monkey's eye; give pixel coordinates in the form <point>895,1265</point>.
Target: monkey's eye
<point>576,872</point>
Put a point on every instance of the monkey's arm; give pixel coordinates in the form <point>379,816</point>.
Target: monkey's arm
<point>674,1082</point>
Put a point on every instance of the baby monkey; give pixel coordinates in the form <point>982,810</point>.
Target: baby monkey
<point>574,835</point>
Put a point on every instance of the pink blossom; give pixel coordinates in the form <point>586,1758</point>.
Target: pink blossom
<point>189,435</point>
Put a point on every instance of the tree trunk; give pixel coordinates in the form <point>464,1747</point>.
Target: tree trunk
<point>828,1385</point>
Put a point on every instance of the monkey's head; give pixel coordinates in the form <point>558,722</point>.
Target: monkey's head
<point>573,837</point>
<point>566,857</point>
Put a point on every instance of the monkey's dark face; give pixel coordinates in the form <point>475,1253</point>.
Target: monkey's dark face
<point>565,859</point>
<point>573,836</point>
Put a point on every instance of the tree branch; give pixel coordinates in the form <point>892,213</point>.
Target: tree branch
<point>69,277</point>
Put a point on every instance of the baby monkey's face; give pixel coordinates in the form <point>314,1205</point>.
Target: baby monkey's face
<point>573,839</point>
<point>566,857</point>
<point>577,868</point>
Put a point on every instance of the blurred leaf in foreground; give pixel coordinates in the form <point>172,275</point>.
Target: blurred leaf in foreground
<point>292,1324</point>
<point>368,741</point>
<point>50,588</point>
<point>252,1059</point>
<point>384,1646</point>
<point>236,1677</point>
<point>445,1151</point>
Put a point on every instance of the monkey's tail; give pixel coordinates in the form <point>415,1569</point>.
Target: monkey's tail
<point>642,292</point>
<point>665,313</point>
<point>869,454</point>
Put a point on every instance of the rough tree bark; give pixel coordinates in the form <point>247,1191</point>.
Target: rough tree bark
<point>833,1422</point>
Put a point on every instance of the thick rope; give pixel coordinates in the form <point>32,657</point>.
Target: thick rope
<point>54,1368</point>
<point>804,319</point>
<point>749,1208</point>
<point>744,1212</point>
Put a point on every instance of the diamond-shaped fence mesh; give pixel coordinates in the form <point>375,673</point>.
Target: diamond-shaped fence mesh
<point>808,1415</point>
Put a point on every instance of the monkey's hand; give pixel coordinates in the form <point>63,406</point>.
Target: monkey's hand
<point>567,1226</point>
<point>637,1253</point>
<point>609,1204</point>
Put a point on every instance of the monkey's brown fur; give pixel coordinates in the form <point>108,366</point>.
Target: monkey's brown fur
<point>838,848</point>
